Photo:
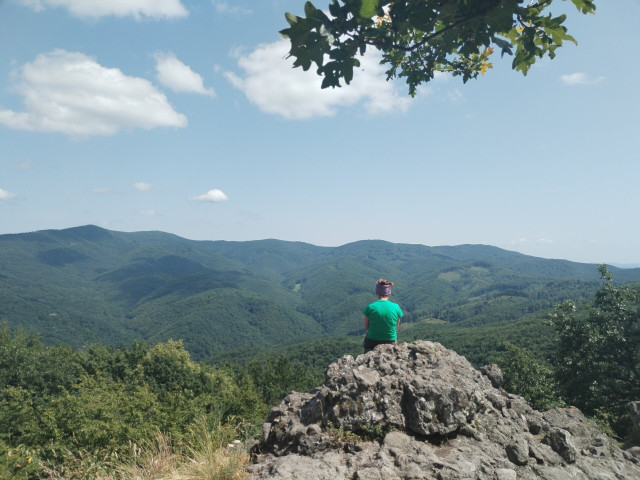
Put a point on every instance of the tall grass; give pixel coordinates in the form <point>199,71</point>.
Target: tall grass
<point>206,452</point>
<point>154,461</point>
<point>213,454</point>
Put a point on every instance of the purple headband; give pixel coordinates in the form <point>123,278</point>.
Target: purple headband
<point>383,290</point>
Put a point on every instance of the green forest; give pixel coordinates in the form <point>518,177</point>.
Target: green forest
<point>109,412</point>
<point>88,285</point>
<point>150,356</point>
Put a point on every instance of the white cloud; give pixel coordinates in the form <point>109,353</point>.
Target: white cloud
<point>270,82</point>
<point>579,78</point>
<point>214,195</point>
<point>5,195</point>
<point>100,190</point>
<point>177,76</point>
<point>119,8</point>
<point>147,213</point>
<point>224,7</point>
<point>69,92</point>
<point>142,186</point>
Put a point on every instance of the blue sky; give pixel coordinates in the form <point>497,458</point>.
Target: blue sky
<point>184,116</point>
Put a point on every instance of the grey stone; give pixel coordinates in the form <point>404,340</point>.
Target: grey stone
<point>544,455</point>
<point>505,474</point>
<point>634,413</point>
<point>421,412</point>
<point>494,374</point>
<point>562,443</point>
<point>518,451</point>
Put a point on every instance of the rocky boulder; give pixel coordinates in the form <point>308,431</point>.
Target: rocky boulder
<point>634,414</point>
<point>420,411</point>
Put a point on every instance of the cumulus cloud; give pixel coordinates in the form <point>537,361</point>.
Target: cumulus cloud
<point>69,92</point>
<point>580,78</point>
<point>177,76</point>
<point>119,8</point>
<point>214,195</point>
<point>142,186</point>
<point>6,195</point>
<point>269,81</point>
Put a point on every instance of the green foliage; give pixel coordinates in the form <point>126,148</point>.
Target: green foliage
<point>117,364</point>
<point>25,362</point>
<point>100,415</point>
<point>374,433</point>
<point>87,411</point>
<point>345,438</point>
<point>529,377</point>
<point>598,356</point>
<point>275,377</point>
<point>20,416</point>
<point>18,462</point>
<point>484,344</point>
<point>168,368</point>
<point>418,38</point>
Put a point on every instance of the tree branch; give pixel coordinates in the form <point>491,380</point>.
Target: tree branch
<point>430,36</point>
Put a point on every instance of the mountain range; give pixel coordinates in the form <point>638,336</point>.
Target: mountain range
<point>88,284</point>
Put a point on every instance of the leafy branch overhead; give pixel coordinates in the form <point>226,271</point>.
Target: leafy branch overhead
<point>418,38</point>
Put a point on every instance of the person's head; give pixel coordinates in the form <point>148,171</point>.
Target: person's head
<point>383,288</point>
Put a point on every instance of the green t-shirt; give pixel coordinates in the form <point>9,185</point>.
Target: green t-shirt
<point>383,318</point>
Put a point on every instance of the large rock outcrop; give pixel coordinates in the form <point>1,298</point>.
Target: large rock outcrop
<point>634,413</point>
<point>419,412</point>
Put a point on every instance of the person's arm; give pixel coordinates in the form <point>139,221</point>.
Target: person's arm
<point>366,323</point>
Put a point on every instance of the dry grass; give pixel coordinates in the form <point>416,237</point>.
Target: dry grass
<point>205,454</point>
<point>213,455</point>
<point>225,464</point>
<point>155,461</point>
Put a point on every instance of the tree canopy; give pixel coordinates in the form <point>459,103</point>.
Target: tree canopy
<point>598,354</point>
<point>418,38</point>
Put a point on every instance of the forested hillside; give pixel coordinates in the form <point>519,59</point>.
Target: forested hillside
<point>84,285</point>
<point>100,332</point>
<point>143,411</point>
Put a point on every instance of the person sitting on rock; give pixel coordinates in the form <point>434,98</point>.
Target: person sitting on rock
<point>381,318</point>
